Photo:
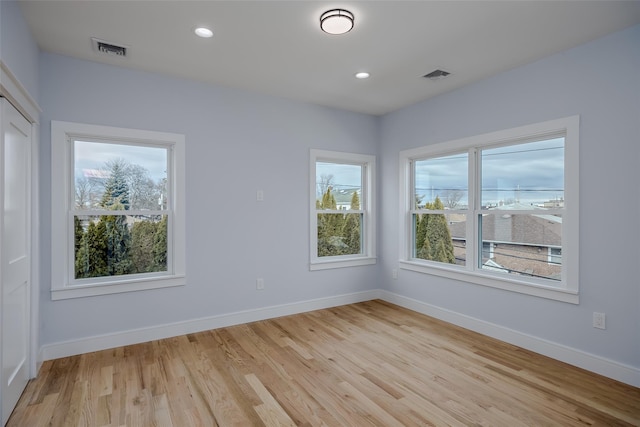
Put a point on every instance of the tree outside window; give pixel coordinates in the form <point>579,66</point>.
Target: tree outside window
<point>342,219</point>
<point>132,237</point>
<point>117,211</point>
<point>499,209</point>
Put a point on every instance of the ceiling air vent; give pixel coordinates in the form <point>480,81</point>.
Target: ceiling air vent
<point>108,48</point>
<point>436,75</point>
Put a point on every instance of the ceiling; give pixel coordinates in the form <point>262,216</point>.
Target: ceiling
<point>277,47</point>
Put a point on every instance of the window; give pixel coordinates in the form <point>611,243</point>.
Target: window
<point>499,209</point>
<point>555,255</point>
<point>341,201</point>
<point>117,210</point>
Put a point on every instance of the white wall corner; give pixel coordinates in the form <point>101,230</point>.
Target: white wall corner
<point>599,365</point>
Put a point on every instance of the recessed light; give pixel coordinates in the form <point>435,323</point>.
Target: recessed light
<point>203,32</point>
<point>362,75</point>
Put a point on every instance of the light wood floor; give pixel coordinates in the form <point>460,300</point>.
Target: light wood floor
<point>366,364</point>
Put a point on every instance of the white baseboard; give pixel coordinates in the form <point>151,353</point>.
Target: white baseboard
<point>136,336</point>
<point>608,368</point>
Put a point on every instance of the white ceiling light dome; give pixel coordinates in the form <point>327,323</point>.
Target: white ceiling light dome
<point>203,32</point>
<point>336,21</point>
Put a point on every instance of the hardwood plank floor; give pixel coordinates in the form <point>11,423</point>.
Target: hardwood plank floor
<point>366,364</point>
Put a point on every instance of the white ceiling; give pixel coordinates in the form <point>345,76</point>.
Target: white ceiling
<point>277,47</point>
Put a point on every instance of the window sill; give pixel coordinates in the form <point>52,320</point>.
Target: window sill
<point>340,263</point>
<point>131,285</point>
<point>493,281</point>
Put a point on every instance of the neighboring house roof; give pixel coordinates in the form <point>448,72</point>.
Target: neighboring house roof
<point>534,230</point>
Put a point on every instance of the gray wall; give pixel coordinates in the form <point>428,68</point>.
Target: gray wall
<point>236,143</point>
<point>18,50</point>
<point>598,81</point>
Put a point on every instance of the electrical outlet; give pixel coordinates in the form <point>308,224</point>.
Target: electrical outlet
<point>260,195</point>
<point>394,273</point>
<point>259,283</point>
<point>599,320</point>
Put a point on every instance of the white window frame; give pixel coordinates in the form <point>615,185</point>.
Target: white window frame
<point>367,205</point>
<point>567,288</point>
<point>63,283</point>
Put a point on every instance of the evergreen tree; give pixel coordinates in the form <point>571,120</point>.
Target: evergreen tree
<point>118,243</point>
<point>116,188</point>
<point>437,204</point>
<point>442,253</point>
<point>78,235</point>
<point>143,234</point>
<point>424,251</point>
<point>117,238</point>
<point>160,246</point>
<point>352,227</point>
<point>423,248</point>
<point>92,252</point>
<point>355,201</point>
<point>439,236</point>
<point>330,228</point>
<point>82,259</point>
<point>421,232</point>
<point>109,246</point>
<point>328,201</point>
<point>433,237</point>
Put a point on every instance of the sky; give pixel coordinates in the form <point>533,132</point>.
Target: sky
<point>345,176</point>
<point>94,155</point>
<point>532,173</point>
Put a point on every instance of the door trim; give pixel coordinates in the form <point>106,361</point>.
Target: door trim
<point>19,97</point>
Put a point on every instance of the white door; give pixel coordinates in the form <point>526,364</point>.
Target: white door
<point>15,153</point>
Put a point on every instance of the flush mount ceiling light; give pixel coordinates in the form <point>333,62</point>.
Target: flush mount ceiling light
<point>203,32</point>
<point>362,75</point>
<point>336,21</point>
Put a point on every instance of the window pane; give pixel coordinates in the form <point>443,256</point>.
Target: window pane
<point>339,234</point>
<point>520,244</point>
<point>119,176</point>
<point>114,245</point>
<point>440,237</point>
<point>338,186</point>
<point>524,175</point>
<point>441,182</point>
<point>555,255</point>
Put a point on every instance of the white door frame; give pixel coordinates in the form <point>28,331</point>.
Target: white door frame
<point>19,97</point>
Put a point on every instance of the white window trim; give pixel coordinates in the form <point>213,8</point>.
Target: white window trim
<point>567,289</point>
<point>368,202</point>
<point>62,286</point>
